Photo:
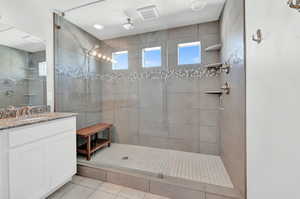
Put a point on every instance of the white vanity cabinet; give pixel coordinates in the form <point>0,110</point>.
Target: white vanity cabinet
<point>37,158</point>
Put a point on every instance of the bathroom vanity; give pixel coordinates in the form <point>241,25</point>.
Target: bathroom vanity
<point>37,155</point>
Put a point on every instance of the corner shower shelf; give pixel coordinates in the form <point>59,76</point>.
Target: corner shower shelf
<point>216,47</point>
<point>214,65</point>
<point>26,104</point>
<point>29,79</point>
<point>30,68</point>
<point>216,92</point>
<point>30,94</point>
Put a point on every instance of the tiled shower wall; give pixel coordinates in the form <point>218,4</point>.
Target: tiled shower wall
<point>13,67</point>
<point>172,114</point>
<point>233,133</point>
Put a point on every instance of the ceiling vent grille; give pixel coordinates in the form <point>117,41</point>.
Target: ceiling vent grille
<point>148,13</point>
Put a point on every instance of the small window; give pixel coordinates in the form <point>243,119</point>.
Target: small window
<point>120,60</point>
<point>189,53</point>
<point>152,57</point>
<point>42,69</point>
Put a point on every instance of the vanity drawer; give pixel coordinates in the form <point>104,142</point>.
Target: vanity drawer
<point>31,133</point>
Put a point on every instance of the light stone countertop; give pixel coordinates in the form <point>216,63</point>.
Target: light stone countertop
<point>33,119</point>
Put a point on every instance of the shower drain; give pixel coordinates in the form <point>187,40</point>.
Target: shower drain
<point>125,158</point>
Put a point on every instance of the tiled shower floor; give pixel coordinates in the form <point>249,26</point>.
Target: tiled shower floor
<point>191,166</point>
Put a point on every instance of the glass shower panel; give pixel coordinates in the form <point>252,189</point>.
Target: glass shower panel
<point>74,91</point>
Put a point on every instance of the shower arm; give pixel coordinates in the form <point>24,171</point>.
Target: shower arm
<point>63,13</point>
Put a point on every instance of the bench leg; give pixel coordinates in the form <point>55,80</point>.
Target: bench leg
<point>109,137</point>
<point>88,148</point>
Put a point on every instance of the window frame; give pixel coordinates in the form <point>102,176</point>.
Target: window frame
<point>118,53</point>
<point>149,49</point>
<point>189,44</point>
<point>43,72</point>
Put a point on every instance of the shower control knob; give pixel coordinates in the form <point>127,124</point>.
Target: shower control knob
<point>226,88</point>
<point>225,68</point>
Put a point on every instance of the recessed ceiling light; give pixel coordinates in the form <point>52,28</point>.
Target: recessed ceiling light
<point>98,26</point>
<point>198,5</point>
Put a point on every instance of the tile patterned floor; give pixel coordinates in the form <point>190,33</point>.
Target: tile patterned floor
<point>86,188</point>
<point>192,166</point>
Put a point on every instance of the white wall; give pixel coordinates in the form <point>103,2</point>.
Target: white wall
<point>273,97</point>
<point>38,22</point>
<point>3,166</point>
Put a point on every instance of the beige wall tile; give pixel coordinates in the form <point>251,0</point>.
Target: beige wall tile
<point>98,174</point>
<point>209,134</point>
<point>208,148</point>
<point>174,192</point>
<point>131,181</point>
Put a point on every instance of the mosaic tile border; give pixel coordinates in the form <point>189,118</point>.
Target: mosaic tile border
<point>152,74</point>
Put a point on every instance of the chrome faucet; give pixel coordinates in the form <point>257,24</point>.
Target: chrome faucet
<point>22,111</point>
<point>12,110</point>
<point>17,112</point>
<point>25,111</point>
<point>2,114</point>
<point>29,110</point>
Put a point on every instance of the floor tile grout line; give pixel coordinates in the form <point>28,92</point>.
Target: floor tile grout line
<point>84,186</point>
<point>114,195</point>
<point>65,192</point>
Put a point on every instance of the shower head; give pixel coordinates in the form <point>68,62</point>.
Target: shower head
<point>93,49</point>
<point>96,46</point>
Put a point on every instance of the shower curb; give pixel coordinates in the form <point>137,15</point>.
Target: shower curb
<point>173,188</point>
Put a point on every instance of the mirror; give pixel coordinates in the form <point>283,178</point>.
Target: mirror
<point>23,68</point>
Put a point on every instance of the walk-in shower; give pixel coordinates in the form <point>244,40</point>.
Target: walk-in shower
<point>173,90</point>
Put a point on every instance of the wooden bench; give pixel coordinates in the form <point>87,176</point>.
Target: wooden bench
<point>91,145</point>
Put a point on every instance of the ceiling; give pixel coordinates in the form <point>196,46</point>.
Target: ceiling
<point>112,14</point>
<point>109,13</point>
<point>14,38</point>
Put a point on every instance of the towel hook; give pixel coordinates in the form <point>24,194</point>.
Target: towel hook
<point>258,37</point>
<point>295,4</point>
